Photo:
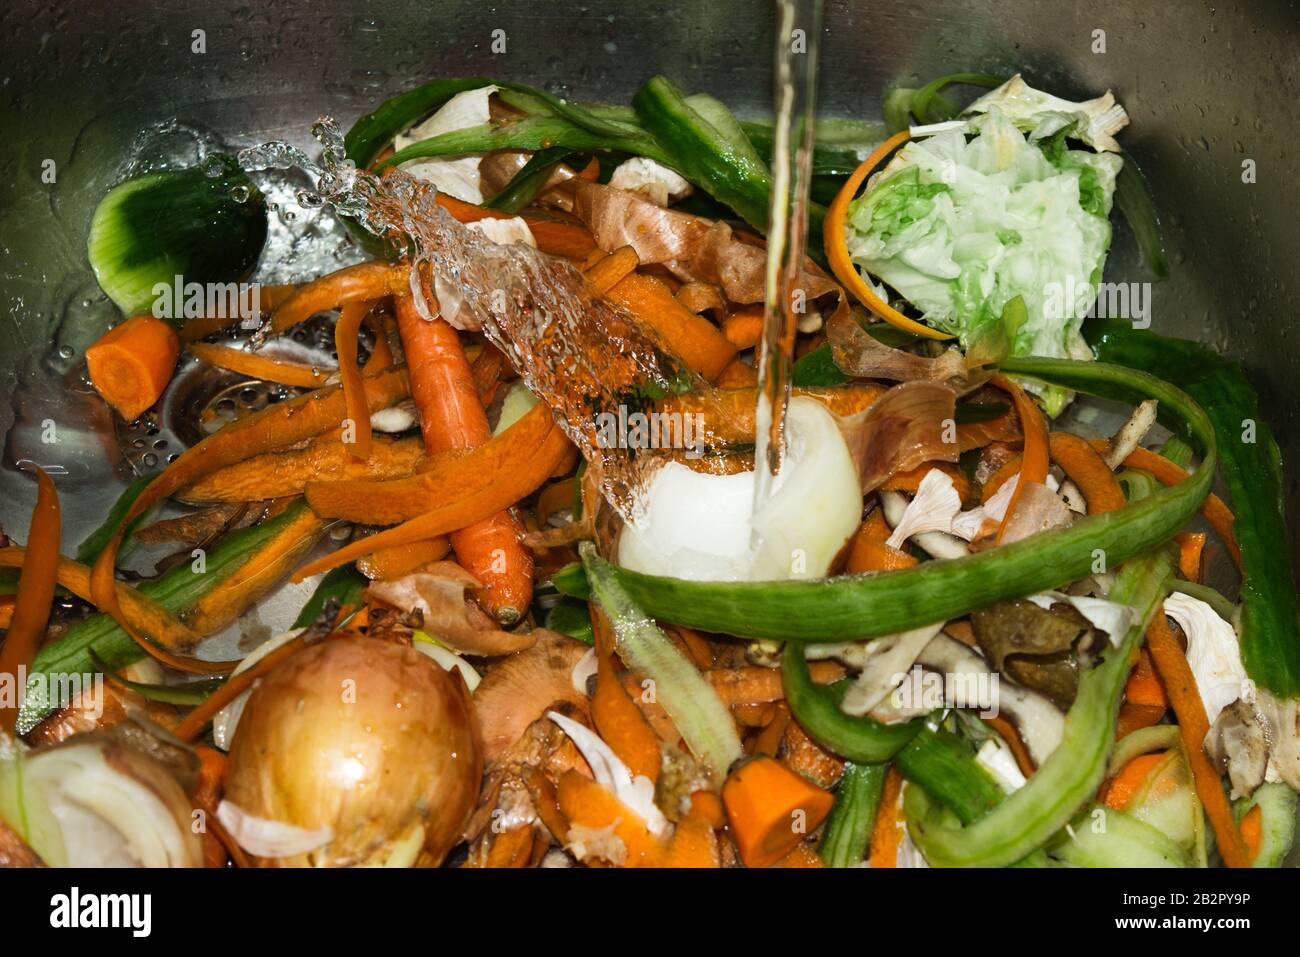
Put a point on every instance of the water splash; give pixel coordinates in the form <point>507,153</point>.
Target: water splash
<point>579,353</point>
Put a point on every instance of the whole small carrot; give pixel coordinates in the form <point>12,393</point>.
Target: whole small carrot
<point>452,417</point>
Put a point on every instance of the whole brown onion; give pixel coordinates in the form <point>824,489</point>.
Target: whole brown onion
<point>366,737</point>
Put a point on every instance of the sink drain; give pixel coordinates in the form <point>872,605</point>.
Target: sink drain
<point>202,398</point>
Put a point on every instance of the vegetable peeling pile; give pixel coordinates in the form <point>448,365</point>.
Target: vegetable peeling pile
<point>559,614</point>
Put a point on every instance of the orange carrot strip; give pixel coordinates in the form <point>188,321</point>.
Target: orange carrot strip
<point>448,476</point>
<point>207,795</point>
<point>1252,831</point>
<point>737,374</point>
<point>35,592</point>
<point>910,481</point>
<point>346,331</point>
<point>1191,546</point>
<point>1035,455</point>
<point>259,367</point>
<point>283,424</point>
<point>547,803</point>
<point>1130,780</point>
<point>587,803</point>
<point>1010,468</point>
<point>131,364</point>
<point>1007,731</point>
<point>695,340</point>
<point>887,834</point>
<point>511,848</point>
<point>1193,725</point>
<point>146,617</point>
<point>556,238</point>
<point>268,298</point>
<point>708,807</point>
<point>1213,508</point>
<point>693,845</point>
<point>768,741</point>
<point>771,809</point>
<point>619,721</point>
<point>608,271</point>
<point>870,551</point>
<point>283,474</point>
<point>381,354</point>
<point>1144,686</point>
<point>834,237</point>
<point>399,560</point>
<point>1134,717</point>
<point>368,280</point>
<point>747,685</point>
<point>452,417</point>
<point>744,327</point>
<point>6,610</point>
<point>1086,468</point>
<point>474,486</point>
<point>801,856</point>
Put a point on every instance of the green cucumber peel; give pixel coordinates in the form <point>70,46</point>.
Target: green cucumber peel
<point>1252,472</point>
<point>848,828</point>
<point>1069,778</point>
<point>697,712</point>
<point>99,636</point>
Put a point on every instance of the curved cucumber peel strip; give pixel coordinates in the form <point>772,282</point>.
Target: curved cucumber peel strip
<point>1070,777</point>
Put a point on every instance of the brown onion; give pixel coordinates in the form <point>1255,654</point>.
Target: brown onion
<point>367,738</point>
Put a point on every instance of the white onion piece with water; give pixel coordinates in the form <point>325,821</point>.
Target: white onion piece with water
<point>699,526</point>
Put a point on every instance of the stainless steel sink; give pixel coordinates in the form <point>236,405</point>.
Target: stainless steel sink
<point>87,89</point>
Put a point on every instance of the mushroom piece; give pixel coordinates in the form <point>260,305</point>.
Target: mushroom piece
<point>1238,744</point>
<point>1039,722</point>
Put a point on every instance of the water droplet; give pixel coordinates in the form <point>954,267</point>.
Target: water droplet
<point>239,194</point>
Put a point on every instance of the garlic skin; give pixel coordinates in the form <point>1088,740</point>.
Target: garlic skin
<point>653,181</point>
<point>703,527</point>
<point>1213,652</point>
<point>455,176</point>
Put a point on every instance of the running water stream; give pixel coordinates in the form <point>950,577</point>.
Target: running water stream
<point>578,352</point>
<point>797,33</point>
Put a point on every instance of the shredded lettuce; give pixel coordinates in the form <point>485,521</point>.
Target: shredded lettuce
<point>962,222</point>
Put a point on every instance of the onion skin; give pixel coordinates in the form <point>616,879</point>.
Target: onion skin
<point>367,737</point>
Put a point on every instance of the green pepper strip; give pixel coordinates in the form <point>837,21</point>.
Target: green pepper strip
<point>938,761</point>
<point>94,543</point>
<point>848,829</point>
<point>530,133</point>
<point>528,182</point>
<point>850,607</point>
<point>1252,473</point>
<point>375,131</point>
<point>943,764</point>
<point>343,584</point>
<point>1133,197</point>
<point>1028,818</point>
<point>730,171</point>
<point>817,709</point>
<point>839,144</point>
<point>177,589</point>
